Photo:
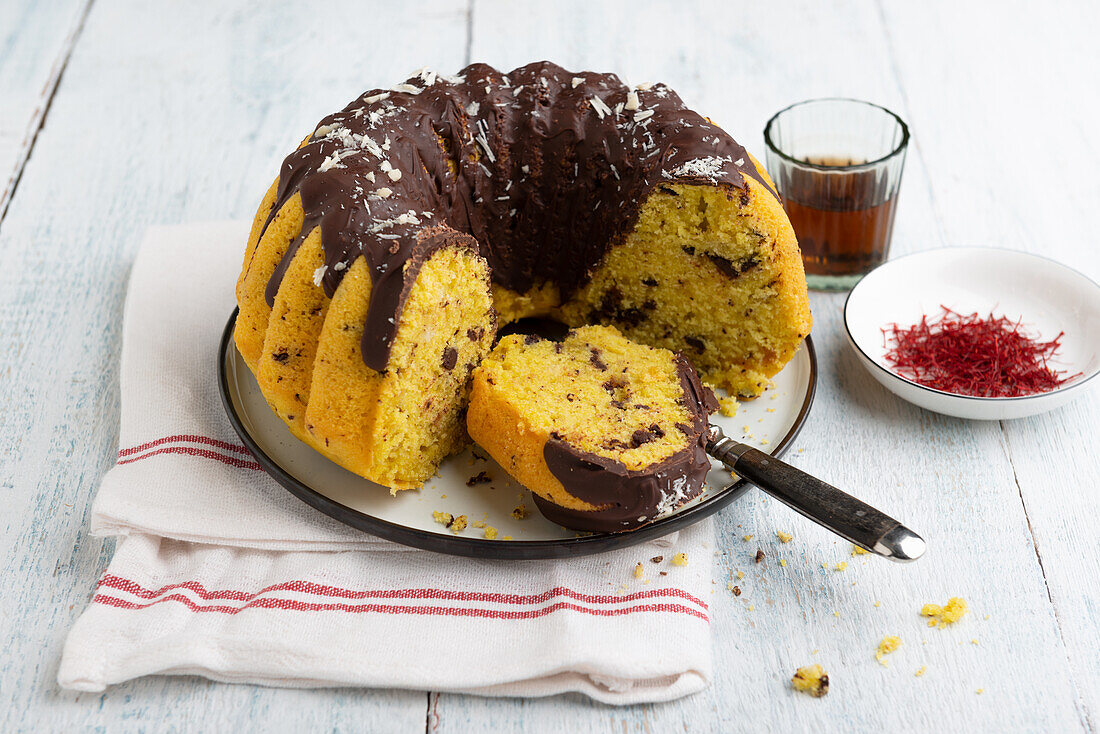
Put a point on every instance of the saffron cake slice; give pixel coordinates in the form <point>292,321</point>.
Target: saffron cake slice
<point>608,434</point>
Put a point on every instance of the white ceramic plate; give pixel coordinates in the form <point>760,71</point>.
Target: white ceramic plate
<point>1048,296</point>
<point>769,423</point>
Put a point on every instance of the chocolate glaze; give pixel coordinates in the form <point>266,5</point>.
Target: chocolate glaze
<point>630,498</point>
<point>544,169</point>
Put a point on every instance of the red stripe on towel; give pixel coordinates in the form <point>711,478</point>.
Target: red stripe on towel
<point>116,582</point>
<point>185,438</point>
<point>191,451</point>
<point>299,606</point>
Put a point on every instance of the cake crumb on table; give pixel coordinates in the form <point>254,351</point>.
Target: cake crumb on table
<point>950,613</point>
<point>680,559</point>
<point>759,555</point>
<point>459,524</point>
<point>783,562</point>
<point>639,570</point>
<point>857,551</point>
<point>887,646</point>
<point>920,672</point>
<point>740,575</point>
<point>811,680</point>
<point>490,532</point>
<point>443,518</point>
<point>520,512</point>
<point>841,566</point>
<point>746,538</point>
<point>783,537</point>
<point>656,559</point>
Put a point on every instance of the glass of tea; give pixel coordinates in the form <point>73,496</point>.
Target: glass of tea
<point>837,164</point>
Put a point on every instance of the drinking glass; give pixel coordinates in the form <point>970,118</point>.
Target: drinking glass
<point>837,164</point>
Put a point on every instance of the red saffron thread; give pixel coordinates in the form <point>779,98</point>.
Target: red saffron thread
<point>970,355</point>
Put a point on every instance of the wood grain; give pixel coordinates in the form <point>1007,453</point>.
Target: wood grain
<point>162,116</point>
<point>165,117</point>
<point>36,41</point>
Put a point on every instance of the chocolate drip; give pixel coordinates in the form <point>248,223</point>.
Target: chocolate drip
<point>544,169</point>
<point>630,498</point>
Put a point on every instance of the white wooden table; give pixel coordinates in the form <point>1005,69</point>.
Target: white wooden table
<point>115,115</point>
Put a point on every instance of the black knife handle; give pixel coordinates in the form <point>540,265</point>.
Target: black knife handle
<point>821,502</point>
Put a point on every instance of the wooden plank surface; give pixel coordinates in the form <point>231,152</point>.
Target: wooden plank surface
<point>151,125</point>
<point>35,42</point>
<point>162,116</point>
<point>1022,114</point>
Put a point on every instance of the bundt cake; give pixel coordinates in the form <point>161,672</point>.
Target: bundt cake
<point>408,226</point>
<point>606,433</point>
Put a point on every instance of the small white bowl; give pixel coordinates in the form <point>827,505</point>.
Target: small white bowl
<point>1048,296</point>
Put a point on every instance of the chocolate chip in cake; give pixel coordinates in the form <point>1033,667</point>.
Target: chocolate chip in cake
<point>281,357</point>
<point>759,555</point>
<point>530,339</point>
<point>450,358</point>
<point>598,363</point>
<point>695,343</point>
<point>651,282</point>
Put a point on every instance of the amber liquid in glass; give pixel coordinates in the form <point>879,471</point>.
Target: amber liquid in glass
<point>843,219</point>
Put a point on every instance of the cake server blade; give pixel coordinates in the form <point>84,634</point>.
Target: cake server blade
<point>821,502</point>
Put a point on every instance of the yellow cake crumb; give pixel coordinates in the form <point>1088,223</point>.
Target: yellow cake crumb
<point>920,672</point>
<point>680,559</point>
<point>490,532</point>
<point>507,537</point>
<point>857,551</point>
<point>836,614</point>
<point>443,518</point>
<point>950,613</point>
<point>980,691</point>
<point>727,406</point>
<point>812,680</point>
<point>746,538</point>
<point>887,646</point>
<point>783,562</point>
<point>479,523</point>
<point>740,575</point>
<point>751,607</point>
<point>878,604</point>
<point>639,571</point>
<point>841,566</point>
<point>459,524</point>
<point>783,537</point>
<point>520,512</point>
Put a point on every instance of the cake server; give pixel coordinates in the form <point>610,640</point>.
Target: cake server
<point>821,502</point>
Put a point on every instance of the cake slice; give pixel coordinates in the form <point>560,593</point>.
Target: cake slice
<point>608,434</point>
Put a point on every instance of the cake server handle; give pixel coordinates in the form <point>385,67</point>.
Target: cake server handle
<point>823,503</point>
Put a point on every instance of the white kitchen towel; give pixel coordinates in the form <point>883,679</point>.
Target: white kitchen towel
<point>222,573</point>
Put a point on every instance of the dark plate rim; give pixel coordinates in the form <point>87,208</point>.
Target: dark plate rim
<point>478,547</point>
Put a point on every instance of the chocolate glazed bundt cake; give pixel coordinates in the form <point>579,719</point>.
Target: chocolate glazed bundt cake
<point>607,433</point>
<point>407,227</point>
